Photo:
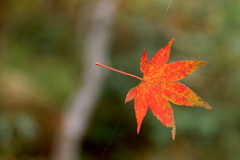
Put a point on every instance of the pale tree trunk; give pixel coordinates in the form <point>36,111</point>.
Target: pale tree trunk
<point>77,115</point>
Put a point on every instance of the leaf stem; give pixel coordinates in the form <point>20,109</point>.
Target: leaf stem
<point>98,64</point>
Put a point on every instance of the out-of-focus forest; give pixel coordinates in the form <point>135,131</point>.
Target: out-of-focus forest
<point>42,63</point>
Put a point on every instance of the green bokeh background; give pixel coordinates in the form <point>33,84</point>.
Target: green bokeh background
<point>41,65</point>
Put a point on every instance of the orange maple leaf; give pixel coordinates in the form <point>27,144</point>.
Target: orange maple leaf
<point>160,85</point>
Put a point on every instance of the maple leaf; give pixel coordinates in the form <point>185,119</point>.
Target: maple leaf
<point>160,85</point>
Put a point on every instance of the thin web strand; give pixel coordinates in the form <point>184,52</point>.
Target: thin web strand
<point>114,132</point>
<point>161,22</point>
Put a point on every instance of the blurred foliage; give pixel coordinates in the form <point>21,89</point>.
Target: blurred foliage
<point>40,66</point>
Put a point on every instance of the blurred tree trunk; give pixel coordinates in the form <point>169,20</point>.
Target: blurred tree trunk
<point>78,113</point>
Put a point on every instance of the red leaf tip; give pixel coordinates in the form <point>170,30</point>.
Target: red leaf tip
<point>202,63</point>
<point>170,42</point>
<point>208,107</point>
<point>173,132</point>
<point>138,128</point>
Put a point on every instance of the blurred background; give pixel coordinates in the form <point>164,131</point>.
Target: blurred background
<point>56,104</point>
